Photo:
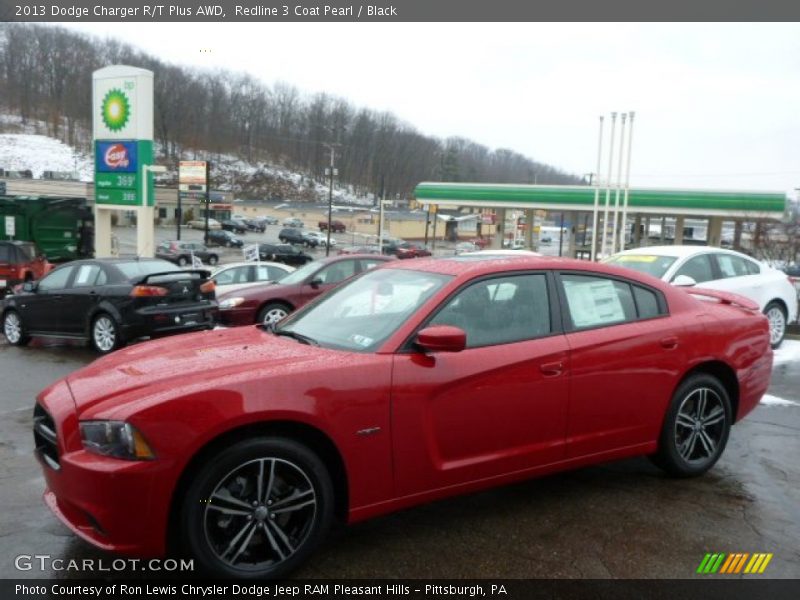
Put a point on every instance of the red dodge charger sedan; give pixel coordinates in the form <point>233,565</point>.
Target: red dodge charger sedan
<point>412,382</point>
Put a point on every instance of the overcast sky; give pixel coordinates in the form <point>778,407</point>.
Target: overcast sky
<point>717,105</point>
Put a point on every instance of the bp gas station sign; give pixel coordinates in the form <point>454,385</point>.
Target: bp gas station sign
<point>122,106</point>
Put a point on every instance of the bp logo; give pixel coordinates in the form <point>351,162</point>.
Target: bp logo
<point>115,110</point>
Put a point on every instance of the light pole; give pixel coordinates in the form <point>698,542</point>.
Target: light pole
<point>331,171</point>
<point>380,224</point>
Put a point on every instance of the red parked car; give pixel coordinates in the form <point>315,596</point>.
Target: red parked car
<point>406,250</point>
<point>246,444</point>
<point>271,302</point>
<point>336,226</point>
<point>20,262</point>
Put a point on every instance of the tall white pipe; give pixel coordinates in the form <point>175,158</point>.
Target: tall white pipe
<point>597,191</point>
<point>608,183</point>
<point>627,184</point>
<point>618,187</point>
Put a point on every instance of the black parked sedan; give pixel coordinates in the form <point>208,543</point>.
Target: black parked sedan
<point>295,236</point>
<point>234,226</point>
<point>109,302</point>
<point>224,238</point>
<point>284,253</point>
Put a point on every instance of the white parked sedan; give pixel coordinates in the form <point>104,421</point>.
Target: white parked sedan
<point>236,276</point>
<point>201,224</point>
<point>719,269</point>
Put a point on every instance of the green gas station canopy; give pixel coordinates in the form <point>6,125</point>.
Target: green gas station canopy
<point>733,204</point>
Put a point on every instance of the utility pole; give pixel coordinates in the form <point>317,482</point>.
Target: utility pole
<point>331,172</point>
<point>208,199</point>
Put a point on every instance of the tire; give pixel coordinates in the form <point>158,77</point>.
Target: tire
<point>213,259</point>
<point>273,313</point>
<point>226,522</point>
<point>182,261</point>
<point>688,446</point>
<point>777,323</point>
<point>104,334</point>
<point>14,329</point>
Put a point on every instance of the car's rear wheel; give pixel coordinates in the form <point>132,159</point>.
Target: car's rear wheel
<point>105,334</point>
<point>257,509</point>
<point>182,261</point>
<point>272,313</point>
<point>777,323</point>
<point>696,427</point>
<point>13,329</point>
<point>213,259</point>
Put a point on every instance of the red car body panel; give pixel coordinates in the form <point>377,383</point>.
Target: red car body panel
<point>448,422</point>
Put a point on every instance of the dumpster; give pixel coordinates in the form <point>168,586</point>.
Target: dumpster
<point>62,227</point>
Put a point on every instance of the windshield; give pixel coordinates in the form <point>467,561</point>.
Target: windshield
<point>299,276</point>
<point>652,264</point>
<point>362,314</point>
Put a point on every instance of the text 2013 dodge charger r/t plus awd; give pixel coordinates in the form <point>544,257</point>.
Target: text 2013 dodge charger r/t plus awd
<point>244,445</point>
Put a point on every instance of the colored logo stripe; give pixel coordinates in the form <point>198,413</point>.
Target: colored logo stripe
<point>734,563</point>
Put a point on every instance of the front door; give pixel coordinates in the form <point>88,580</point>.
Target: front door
<point>497,407</point>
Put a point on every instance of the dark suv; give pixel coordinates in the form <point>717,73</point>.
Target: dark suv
<point>20,262</point>
<point>181,253</point>
<point>293,236</point>
<point>288,255</point>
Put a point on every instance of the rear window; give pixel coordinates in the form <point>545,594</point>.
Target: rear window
<point>139,269</point>
<point>652,264</point>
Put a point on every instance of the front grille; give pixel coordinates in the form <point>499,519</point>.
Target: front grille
<point>45,438</point>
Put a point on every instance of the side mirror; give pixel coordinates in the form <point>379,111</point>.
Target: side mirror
<point>29,286</point>
<point>684,281</point>
<point>442,338</point>
<point>316,282</point>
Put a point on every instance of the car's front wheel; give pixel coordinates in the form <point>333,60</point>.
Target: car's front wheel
<point>257,509</point>
<point>13,329</point>
<point>696,427</point>
<point>182,261</point>
<point>105,334</point>
<point>777,323</point>
<point>273,313</point>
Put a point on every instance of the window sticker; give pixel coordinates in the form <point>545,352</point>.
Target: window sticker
<point>593,302</point>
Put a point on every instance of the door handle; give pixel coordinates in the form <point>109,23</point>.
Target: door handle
<point>551,369</point>
<point>669,342</point>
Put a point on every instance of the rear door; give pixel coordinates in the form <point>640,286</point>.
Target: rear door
<point>7,268</point>
<point>80,297</point>
<point>626,353</point>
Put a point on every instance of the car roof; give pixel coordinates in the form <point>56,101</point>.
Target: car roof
<point>680,251</point>
<point>251,262</point>
<point>467,266</point>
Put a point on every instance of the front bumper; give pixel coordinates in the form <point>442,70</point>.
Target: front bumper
<point>114,504</point>
<point>236,317</point>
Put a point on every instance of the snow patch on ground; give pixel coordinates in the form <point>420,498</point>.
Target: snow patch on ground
<point>789,351</point>
<point>39,153</point>
<point>771,400</point>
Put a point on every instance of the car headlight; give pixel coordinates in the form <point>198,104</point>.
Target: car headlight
<point>230,303</point>
<point>115,438</point>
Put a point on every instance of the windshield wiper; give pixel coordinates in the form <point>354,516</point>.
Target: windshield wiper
<point>303,339</point>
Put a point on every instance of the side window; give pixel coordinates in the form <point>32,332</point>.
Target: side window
<point>270,273</point>
<point>499,311</point>
<point>337,272</point>
<point>752,267</point>
<point>646,303</point>
<point>598,301</point>
<point>86,276</point>
<point>4,253</point>
<point>227,277</point>
<point>367,264</point>
<point>698,268</point>
<point>56,280</point>
<point>732,266</point>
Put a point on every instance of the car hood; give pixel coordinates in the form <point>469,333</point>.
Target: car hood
<point>179,362</point>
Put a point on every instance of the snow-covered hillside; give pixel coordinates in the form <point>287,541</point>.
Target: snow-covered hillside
<point>39,153</point>
<point>25,149</point>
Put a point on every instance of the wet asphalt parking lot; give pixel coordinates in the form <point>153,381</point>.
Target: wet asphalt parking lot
<point>622,520</point>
